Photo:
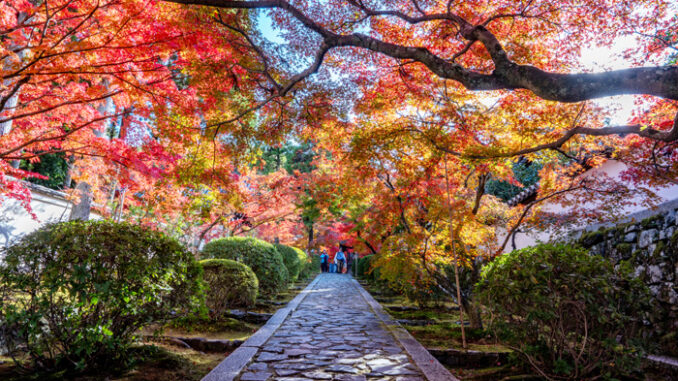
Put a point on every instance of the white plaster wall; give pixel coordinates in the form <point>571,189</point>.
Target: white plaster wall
<point>15,222</point>
<point>611,168</point>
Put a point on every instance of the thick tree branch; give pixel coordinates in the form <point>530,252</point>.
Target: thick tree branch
<point>635,129</point>
<point>527,209</point>
<point>657,81</point>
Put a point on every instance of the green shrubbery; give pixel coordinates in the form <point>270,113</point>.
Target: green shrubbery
<point>74,294</point>
<point>228,284</point>
<point>295,260</point>
<point>312,267</point>
<point>571,315</point>
<point>260,256</point>
<point>365,270</point>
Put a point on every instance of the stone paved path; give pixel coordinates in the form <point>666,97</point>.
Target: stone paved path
<point>332,335</point>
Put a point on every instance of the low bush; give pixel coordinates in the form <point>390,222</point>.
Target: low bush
<point>365,270</point>
<point>260,256</point>
<point>294,259</point>
<point>312,267</point>
<point>229,284</point>
<point>75,293</point>
<point>571,315</point>
<point>304,260</point>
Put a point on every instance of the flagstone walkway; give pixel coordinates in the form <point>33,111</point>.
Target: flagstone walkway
<point>335,332</point>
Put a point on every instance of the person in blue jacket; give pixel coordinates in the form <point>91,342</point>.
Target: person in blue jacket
<point>340,258</point>
<point>324,262</point>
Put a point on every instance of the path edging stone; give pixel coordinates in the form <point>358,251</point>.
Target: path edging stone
<point>433,370</point>
<point>232,366</point>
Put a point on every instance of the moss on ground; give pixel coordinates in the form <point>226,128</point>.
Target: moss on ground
<point>156,362</point>
<point>447,335</point>
<point>426,314</point>
<point>197,325</point>
<point>504,373</point>
<point>169,363</point>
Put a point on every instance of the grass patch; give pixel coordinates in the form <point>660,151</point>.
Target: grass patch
<point>224,329</point>
<point>436,315</point>
<point>443,335</point>
<point>169,363</point>
<point>504,373</point>
<point>159,362</point>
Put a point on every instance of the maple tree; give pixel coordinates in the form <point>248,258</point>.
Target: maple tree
<point>382,125</point>
<point>435,57</point>
<point>106,84</point>
<point>176,114</point>
<point>480,46</point>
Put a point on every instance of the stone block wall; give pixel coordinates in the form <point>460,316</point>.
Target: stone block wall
<point>650,248</point>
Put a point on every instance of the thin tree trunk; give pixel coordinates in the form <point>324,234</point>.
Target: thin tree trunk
<point>310,235</point>
<point>69,172</point>
<point>473,312</point>
<point>456,261</point>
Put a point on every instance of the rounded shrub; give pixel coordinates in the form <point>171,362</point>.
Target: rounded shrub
<point>260,256</point>
<point>571,315</point>
<point>365,270</point>
<point>294,259</point>
<point>75,293</point>
<point>312,267</point>
<point>228,284</point>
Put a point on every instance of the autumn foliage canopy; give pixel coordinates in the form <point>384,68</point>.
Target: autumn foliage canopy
<point>378,124</point>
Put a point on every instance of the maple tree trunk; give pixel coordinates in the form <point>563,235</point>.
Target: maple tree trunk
<point>277,159</point>
<point>473,313</point>
<point>310,235</point>
<point>367,243</point>
<point>448,286</point>
<point>11,102</point>
<point>203,233</point>
<point>69,172</point>
<point>107,107</point>
<point>121,205</point>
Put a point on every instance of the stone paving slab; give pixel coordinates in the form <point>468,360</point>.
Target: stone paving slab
<point>333,330</point>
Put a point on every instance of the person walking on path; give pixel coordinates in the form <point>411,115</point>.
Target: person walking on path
<point>350,258</point>
<point>333,264</point>
<point>324,262</point>
<point>340,257</point>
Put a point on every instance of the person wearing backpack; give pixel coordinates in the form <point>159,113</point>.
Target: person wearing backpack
<point>333,264</point>
<point>341,261</point>
<point>324,262</point>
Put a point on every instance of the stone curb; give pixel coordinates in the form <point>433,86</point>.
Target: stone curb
<point>433,370</point>
<point>231,366</point>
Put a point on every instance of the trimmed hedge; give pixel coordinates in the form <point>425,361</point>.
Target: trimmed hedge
<point>312,267</point>
<point>228,284</point>
<point>295,260</point>
<point>76,293</point>
<point>260,256</point>
<point>571,315</point>
<point>365,270</point>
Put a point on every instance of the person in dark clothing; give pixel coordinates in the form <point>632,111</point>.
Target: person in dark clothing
<point>350,257</point>
<point>324,262</point>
